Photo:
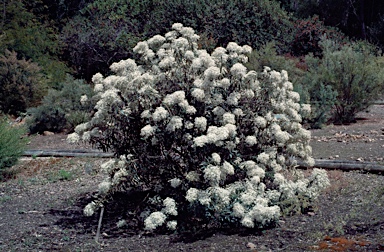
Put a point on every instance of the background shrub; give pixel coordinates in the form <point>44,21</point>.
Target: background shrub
<point>344,81</point>
<point>62,109</point>
<point>21,84</point>
<point>104,31</point>
<point>12,146</point>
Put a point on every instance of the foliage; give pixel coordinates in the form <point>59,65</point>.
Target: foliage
<point>32,37</point>
<point>347,78</point>
<point>62,109</point>
<point>211,139</point>
<point>21,85</point>
<point>11,145</point>
<point>308,33</point>
<point>105,30</point>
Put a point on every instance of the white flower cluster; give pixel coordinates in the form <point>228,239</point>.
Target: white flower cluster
<point>158,218</point>
<point>231,122</point>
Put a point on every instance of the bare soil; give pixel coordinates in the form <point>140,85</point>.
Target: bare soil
<point>41,206</point>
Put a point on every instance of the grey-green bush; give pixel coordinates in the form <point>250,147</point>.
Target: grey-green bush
<point>62,110</point>
<point>11,146</point>
<point>345,81</point>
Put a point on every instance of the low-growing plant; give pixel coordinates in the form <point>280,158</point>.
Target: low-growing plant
<point>62,109</point>
<point>209,139</point>
<point>12,146</point>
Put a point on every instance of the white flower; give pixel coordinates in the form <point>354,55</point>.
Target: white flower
<point>175,123</point>
<point>238,70</point>
<point>156,41</point>
<point>169,206</point>
<point>83,99</point>
<point>192,176</point>
<point>257,171</point>
<point>201,123</point>
<point>227,168</point>
<point>97,79</point>
<point>86,136</point>
<point>167,62</point>
<point>81,127</point>
<point>192,195</point>
<point>282,137</point>
<point>263,158</point>
<point>222,194</point>
<point>171,225</point>
<point>154,220</point>
<point>220,56</point>
<point>147,131</point>
<point>146,114</point>
<point>188,125</point>
<point>189,55</point>
<point>229,118</point>
<point>177,26</point>
<point>305,110</point>
<point>200,141</point>
<point>279,179</point>
<point>216,158</point>
<point>238,210</point>
<point>98,88</point>
<point>174,98</point>
<point>231,128</point>
<point>212,174</point>
<point>304,134</point>
<point>233,47</point>
<point>104,187</point>
<point>225,83</point>
<point>141,47</point>
<point>247,222</point>
<point>73,138</point>
<point>218,111</point>
<point>190,110</point>
<point>233,98</point>
<point>175,182</point>
<point>260,122</point>
<point>247,49</point>
<point>251,140</point>
<point>198,94</point>
<point>238,112</point>
<point>160,114</point>
<point>89,209</point>
<point>212,73</point>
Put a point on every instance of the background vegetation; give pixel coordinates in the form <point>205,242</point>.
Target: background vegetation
<point>11,146</point>
<point>42,41</point>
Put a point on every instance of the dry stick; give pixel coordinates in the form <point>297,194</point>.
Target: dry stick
<point>99,225</point>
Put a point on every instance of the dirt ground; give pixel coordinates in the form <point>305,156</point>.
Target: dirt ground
<point>41,207</point>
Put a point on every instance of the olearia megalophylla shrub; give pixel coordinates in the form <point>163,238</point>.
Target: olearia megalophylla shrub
<point>209,137</point>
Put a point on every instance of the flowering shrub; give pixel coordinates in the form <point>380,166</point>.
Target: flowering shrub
<point>209,137</point>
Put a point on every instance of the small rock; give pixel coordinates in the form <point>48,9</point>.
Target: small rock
<point>48,133</point>
<point>360,159</point>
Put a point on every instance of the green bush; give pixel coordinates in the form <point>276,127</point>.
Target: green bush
<point>210,142</point>
<point>62,110</point>
<point>345,81</point>
<point>21,84</point>
<point>11,146</point>
<point>105,30</point>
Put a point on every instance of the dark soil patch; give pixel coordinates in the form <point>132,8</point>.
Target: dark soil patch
<point>41,208</point>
